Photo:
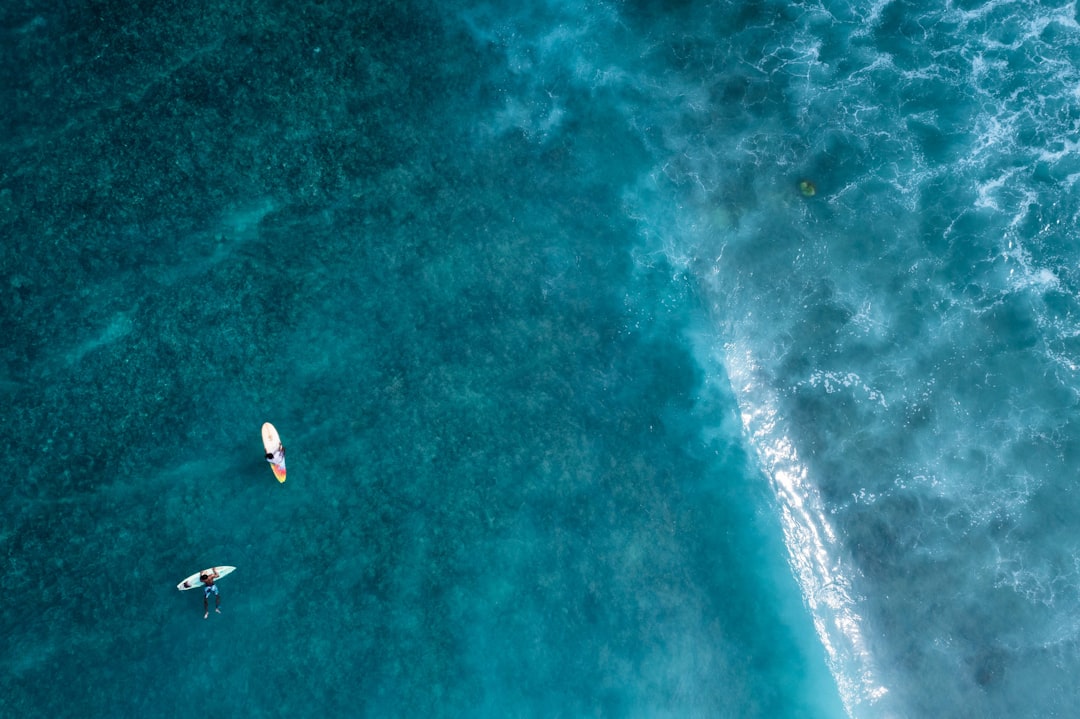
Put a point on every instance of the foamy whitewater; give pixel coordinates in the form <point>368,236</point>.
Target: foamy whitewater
<point>903,343</point>
<point>712,359</point>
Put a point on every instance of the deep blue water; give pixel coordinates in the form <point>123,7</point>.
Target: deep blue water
<point>589,410</point>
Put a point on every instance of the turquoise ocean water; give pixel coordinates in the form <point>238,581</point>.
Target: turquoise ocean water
<point>589,411</point>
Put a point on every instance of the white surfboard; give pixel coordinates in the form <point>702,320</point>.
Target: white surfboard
<point>193,581</point>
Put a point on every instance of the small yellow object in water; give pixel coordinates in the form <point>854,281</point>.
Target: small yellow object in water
<point>807,188</point>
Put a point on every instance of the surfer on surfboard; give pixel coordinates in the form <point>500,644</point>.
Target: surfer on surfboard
<point>207,578</point>
<point>274,449</point>
<point>277,458</point>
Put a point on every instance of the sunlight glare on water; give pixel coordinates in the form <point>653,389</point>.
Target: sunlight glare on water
<point>814,551</point>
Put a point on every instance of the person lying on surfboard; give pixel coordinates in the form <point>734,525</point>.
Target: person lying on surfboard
<point>208,587</point>
<point>277,457</point>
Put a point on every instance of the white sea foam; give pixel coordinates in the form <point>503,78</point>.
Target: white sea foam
<point>835,381</point>
<point>816,553</point>
<point>948,265</point>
